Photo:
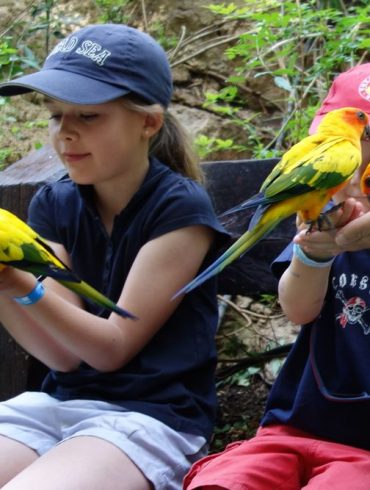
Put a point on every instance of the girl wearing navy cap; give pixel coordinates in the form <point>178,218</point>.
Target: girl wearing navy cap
<point>126,404</point>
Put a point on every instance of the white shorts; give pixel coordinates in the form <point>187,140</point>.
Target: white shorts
<point>41,422</point>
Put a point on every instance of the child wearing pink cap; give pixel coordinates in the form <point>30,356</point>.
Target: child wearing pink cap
<point>315,431</point>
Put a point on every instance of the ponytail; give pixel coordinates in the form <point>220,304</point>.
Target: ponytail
<point>172,144</point>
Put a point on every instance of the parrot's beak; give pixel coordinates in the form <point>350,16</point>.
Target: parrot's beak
<point>366,133</point>
<point>366,186</point>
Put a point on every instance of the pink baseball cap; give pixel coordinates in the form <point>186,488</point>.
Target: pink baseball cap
<point>349,89</point>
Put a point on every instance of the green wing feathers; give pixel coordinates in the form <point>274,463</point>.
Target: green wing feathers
<point>321,168</point>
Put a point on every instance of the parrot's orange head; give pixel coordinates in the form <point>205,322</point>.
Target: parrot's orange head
<point>346,120</point>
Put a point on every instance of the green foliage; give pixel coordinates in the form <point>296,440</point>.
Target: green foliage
<point>206,145</point>
<point>8,59</point>
<point>236,431</point>
<point>40,123</point>
<point>16,55</point>
<point>158,31</point>
<point>300,47</point>
<point>4,155</point>
<point>115,11</point>
<point>45,22</point>
<point>268,299</point>
<point>242,377</point>
<point>13,59</point>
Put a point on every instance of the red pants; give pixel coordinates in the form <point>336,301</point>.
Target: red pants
<point>282,458</point>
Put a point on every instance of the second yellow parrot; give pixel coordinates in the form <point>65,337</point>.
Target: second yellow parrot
<point>365,182</point>
<point>21,247</point>
<point>302,182</point>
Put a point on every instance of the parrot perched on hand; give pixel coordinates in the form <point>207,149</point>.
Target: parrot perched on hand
<point>302,182</point>
<point>21,247</point>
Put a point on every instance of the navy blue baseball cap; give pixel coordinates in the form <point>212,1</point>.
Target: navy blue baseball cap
<point>100,63</point>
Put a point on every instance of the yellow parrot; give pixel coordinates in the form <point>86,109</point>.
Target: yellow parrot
<point>302,182</point>
<point>23,248</point>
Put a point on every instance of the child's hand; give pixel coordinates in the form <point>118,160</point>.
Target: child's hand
<point>323,244</point>
<point>355,235</point>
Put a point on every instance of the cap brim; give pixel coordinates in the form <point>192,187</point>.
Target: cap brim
<point>64,86</point>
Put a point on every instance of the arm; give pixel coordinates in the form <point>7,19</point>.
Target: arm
<point>160,268</point>
<point>302,291</point>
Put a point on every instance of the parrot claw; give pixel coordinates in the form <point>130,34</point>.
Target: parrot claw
<point>324,217</point>
<point>323,222</point>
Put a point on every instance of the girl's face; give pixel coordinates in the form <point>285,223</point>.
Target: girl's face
<point>352,189</point>
<point>98,143</point>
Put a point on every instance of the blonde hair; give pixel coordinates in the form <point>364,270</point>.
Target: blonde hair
<point>172,144</point>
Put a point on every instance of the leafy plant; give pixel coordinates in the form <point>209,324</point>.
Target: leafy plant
<point>300,47</point>
<point>114,11</point>
<point>4,155</point>
<point>243,377</point>
<point>206,145</point>
<point>8,60</point>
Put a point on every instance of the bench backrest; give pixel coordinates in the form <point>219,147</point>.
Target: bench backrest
<point>230,183</point>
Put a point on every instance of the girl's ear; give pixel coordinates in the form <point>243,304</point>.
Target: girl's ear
<point>152,124</point>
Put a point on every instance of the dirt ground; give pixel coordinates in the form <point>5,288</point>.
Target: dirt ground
<point>240,410</point>
<point>253,340</point>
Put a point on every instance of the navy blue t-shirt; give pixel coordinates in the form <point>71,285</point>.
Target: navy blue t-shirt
<point>324,385</point>
<point>172,378</point>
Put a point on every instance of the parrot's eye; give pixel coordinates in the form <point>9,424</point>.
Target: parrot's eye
<point>361,115</point>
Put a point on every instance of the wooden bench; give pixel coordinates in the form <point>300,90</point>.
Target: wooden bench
<point>228,182</point>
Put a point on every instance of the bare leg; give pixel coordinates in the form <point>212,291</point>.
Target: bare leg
<point>14,457</point>
<point>81,462</point>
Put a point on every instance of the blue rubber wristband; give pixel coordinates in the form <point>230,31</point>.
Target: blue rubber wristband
<point>302,257</point>
<point>33,297</point>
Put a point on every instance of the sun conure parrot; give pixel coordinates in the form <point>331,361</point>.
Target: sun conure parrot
<point>23,248</point>
<point>302,182</point>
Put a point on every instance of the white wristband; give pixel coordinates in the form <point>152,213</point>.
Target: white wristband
<point>302,257</point>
